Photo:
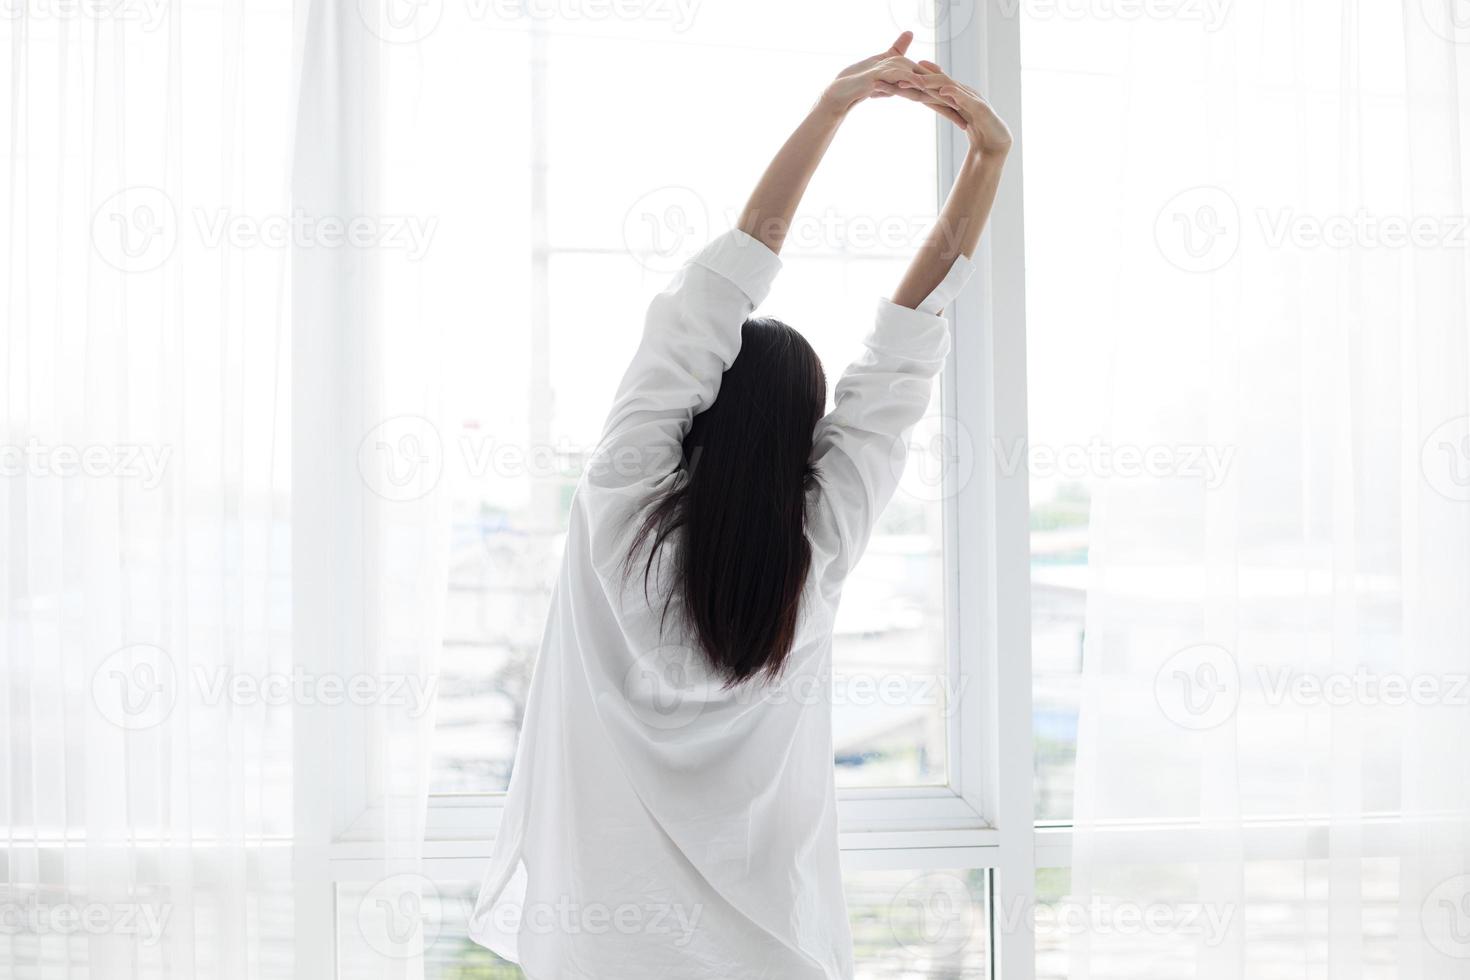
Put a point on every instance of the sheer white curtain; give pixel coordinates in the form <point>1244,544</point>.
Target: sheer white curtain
<point>1278,642</point>
<point>220,584</point>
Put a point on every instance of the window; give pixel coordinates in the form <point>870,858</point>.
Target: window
<point>514,260</point>
<point>591,213</point>
<point>1066,105</point>
<point>586,238</point>
<point>590,220</point>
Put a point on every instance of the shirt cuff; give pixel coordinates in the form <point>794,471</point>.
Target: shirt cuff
<point>908,334</point>
<point>920,333</point>
<point>744,261</point>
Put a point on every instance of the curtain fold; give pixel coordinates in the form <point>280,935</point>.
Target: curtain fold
<point>192,707</point>
<point>1276,666</point>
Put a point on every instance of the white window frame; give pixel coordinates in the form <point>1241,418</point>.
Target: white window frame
<point>983,818</point>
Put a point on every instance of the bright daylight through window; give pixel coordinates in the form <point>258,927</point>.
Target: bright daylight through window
<point>1156,665</point>
<point>587,239</point>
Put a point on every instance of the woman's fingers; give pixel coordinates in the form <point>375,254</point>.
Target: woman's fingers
<point>944,91</point>
<point>892,73</point>
<point>951,91</point>
<point>907,89</point>
<point>916,94</point>
<point>948,112</point>
<point>936,80</point>
<point>957,102</point>
<point>898,49</point>
<point>899,73</point>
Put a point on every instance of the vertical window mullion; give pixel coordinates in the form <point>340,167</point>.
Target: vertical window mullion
<point>987,380</point>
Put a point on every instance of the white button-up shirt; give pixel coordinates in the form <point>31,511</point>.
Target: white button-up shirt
<point>658,823</point>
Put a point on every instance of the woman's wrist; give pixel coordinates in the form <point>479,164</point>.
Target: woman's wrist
<point>988,157</point>
<point>831,108</point>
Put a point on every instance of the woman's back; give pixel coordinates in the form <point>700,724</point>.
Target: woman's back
<point>641,772</point>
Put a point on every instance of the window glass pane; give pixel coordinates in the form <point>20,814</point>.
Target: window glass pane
<point>1071,99</point>
<point>623,145</point>
<point>919,924</point>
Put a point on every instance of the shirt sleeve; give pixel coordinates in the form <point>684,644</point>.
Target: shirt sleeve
<point>861,446</point>
<point>691,334</point>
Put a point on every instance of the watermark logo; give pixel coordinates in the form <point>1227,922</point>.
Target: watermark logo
<point>938,459</point>
<point>1449,19</point>
<point>933,915</point>
<point>412,21</point>
<point>136,229</point>
<point>34,915</point>
<point>833,230</point>
<point>678,14</point>
<point>1363,687</point>
<point>946,19</point>
<point>138,687</point>
<point>400,916</point>
<point>665,227</point>
<point>1361,229</point>
<point>135,687</point>
<point>863,689</point>
<point>145,464</point>
<point>1445,916</point>
<point>402,458</point>
<point>940,447</point>
<point>670,686</point>
<point>1209,14</point>
<point>1096,459</point>
<point>410,234</point>
<point>400,21</point>
<point>672,922</point>
<point>150,15</point>
<point>1208,923</point>
<point>1198,688</point>
<point>667,687</point>
<point>221,685</point>
<point>1198,230</point>
<point>1445,459</point>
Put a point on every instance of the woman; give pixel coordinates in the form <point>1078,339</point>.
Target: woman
<point>672,811</point>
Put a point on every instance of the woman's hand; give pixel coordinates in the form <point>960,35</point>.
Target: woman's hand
<point>968,206</point>
<point>987,131</point>
<point>880,75</point>
<point>768,213</point>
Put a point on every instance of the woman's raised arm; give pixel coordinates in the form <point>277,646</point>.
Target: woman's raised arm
<point>692,331</point>
<point>957,232</point>
<point>768,213</point>
<point>860,447</point>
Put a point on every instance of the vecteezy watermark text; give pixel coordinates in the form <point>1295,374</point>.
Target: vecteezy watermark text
<point>138,229</point>
<point>1201,229</point>
<point>1103,460</point>
<point>144,463</point>
<point>36,914</point>
<point>138,686</point>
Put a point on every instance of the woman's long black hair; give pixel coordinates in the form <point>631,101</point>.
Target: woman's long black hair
<point>738,509</point>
